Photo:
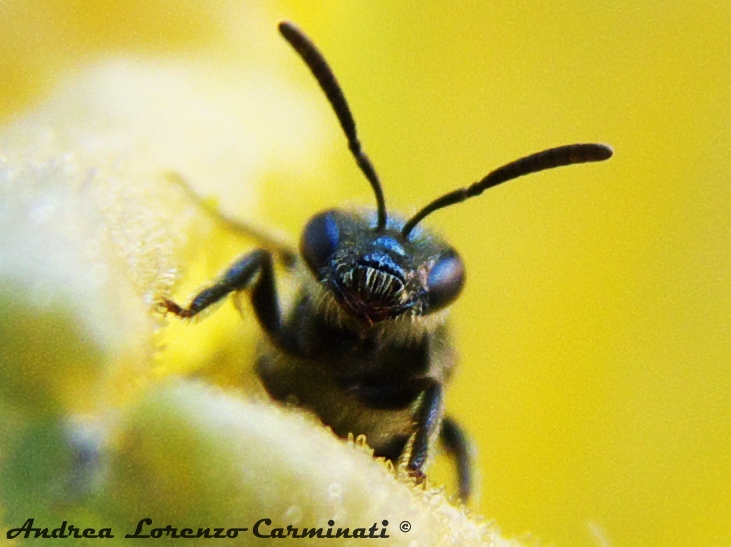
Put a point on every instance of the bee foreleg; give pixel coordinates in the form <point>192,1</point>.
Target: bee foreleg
<point>457,444</point>
<point>254,271</point>
<point>428,418</point>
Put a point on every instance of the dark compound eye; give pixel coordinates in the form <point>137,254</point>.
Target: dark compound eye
<point>320,240</point>
<point>445,281</point>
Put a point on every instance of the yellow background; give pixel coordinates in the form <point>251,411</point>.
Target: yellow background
<point>594,329</point>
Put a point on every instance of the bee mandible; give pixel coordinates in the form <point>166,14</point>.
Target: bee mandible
<point>365,344</point>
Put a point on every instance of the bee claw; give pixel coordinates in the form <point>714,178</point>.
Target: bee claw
<point>417,477</point>
<point>165,306</point>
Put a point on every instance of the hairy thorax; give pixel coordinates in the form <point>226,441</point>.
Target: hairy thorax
<point>359,379</point>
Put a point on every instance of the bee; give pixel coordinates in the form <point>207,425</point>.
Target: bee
<point>365,344</point>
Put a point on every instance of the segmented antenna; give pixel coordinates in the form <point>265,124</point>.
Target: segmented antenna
<point>329,84</point>
<point>548,159</point>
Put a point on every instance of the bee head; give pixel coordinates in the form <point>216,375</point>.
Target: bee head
<point>376,275</point>
<point>381,268</point>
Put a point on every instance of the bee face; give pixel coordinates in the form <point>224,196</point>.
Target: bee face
<point>380,274</point>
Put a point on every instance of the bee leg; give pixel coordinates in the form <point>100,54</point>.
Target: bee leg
<point>286,255</point>
<point>428,419</point>
<point>254,270</point>
<point>457,444</point>
<point>282,251</point>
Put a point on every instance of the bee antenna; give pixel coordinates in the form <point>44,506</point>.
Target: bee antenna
<point>329,84</point>
<point>547,159</point>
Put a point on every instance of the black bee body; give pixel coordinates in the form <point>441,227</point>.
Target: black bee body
<point>346,385</point>
<point>363,374</point>
<point>365,344</point>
